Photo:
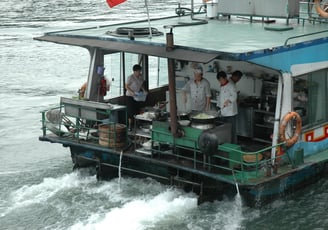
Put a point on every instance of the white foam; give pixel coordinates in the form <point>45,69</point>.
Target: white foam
<point>140,213</point>
<point>40,193</point>
<point>133,204</point>
<point>230,215</point>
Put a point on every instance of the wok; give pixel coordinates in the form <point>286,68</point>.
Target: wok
<point>207,117</point>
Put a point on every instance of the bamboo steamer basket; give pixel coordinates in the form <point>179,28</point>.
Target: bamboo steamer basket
<point>112,135</point>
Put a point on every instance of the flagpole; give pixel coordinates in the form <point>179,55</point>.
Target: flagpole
<point>150,32</point>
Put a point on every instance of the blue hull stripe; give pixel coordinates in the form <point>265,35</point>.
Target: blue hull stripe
<point>282,58</point>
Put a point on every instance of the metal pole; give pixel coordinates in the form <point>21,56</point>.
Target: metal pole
<point>172,91</point>
<point>150,32</point>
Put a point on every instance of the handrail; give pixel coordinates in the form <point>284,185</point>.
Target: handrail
<point>80,120</point>
<point>304,35</point>
<point>244,171</point>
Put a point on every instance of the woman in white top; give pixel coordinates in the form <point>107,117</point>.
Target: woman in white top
<point>133,86</point>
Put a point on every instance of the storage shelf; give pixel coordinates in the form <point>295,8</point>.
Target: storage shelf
<point>263,129</point>
<point>262,140</point>
<point>141,133</point>
<point>263,111</point>
<point>140,136</point>
<point>270,83</point>
<point>264,126</point>
<point>144,151</point>
<point>142,118</point>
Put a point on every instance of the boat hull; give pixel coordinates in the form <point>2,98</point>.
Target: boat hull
<point>112,164</point>
<point>284,184</point>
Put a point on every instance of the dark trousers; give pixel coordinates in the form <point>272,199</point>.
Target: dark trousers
<point>233,121</point>
<point>133,108</point>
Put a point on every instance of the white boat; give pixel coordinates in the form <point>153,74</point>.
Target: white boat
<point>281,49</point>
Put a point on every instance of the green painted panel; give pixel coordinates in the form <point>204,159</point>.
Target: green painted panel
<point>161,133</point>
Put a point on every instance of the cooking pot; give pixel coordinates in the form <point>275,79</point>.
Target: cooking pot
<point>183,116</point>
<point>184,122</point>
<point>161,115</point>
<point>202,126</point>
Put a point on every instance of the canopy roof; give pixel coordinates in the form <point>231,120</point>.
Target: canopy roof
<point>235,38</point>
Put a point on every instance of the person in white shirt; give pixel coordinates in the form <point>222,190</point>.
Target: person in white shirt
<point>228,103</point>
<point>133,86</point>
<point>235,77</point>
<point>200,91</point>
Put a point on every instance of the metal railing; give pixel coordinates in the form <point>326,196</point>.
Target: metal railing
<point>230,162</point>
<point>308,12</point>
<point>81,123</point>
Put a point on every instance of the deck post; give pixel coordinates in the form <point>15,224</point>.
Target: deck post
<point>172,92</point>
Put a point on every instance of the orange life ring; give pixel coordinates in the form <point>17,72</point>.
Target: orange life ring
<point>298,130</point>
<point>319,10</point>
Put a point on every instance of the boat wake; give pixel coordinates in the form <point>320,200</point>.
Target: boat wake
<point>82,202</point>
<point>45,191</point>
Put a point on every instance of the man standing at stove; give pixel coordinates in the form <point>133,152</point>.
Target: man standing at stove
<point>228,103</point>
<point>200,91</point>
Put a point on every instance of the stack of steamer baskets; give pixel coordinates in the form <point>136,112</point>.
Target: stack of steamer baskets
<point>112,135</point>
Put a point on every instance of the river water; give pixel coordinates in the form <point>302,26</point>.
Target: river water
<point>38,188</point>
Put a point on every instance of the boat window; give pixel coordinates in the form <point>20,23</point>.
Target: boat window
<point>112,72</point>
<point>157,67</point>
<point>310,93</point>
<point>158,72</point>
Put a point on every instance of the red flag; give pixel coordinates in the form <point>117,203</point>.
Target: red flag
<point>113,3</point>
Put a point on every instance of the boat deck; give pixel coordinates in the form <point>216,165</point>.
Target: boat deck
<point>244,36</point>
